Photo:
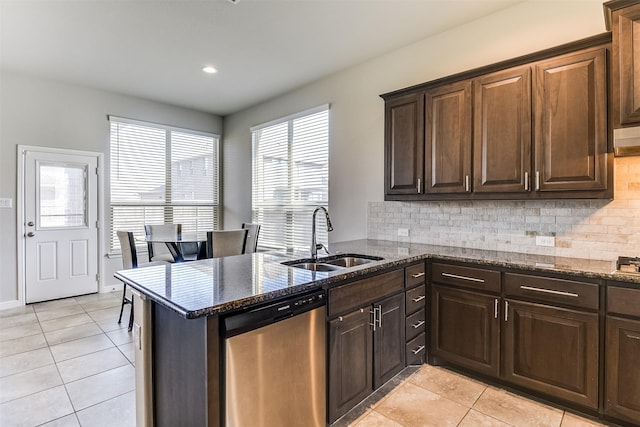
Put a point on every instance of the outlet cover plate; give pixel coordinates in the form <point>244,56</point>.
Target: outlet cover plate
<point>403,232</point>
<point>549,241</point>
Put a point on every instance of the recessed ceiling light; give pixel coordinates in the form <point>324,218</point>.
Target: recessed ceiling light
<point>209,69</point>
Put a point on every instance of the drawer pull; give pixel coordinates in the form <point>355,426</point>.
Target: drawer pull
<point>549,291</point>
<point>418,299</point>
<point>415,276</point>
<point>417,325</point>
<point>418,350</point>
<point>506,311</point>
<point>495,309</point>
<point>455,276</point>
<point>634,337</point>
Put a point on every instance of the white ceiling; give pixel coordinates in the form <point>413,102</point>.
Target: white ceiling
<point>262,48</point>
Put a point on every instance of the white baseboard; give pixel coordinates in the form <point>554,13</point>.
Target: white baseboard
<point>6,305</point>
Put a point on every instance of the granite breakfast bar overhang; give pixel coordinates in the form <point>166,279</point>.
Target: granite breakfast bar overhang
<point>188,299</point>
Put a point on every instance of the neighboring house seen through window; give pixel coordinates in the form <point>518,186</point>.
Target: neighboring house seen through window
<point>290,178</point>
<point>162,175</point>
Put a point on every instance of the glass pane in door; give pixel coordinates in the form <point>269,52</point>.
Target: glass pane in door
<point>62,193</point>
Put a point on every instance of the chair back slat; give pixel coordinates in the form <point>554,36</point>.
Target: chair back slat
<point>223,243</point>
<point>253,229</point>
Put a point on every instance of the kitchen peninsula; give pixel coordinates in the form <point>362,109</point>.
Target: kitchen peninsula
<point>188,301</point>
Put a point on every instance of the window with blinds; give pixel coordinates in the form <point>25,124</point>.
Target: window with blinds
<point>162,175</point>
<point>291,178</point>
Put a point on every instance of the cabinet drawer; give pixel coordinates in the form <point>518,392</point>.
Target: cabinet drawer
<point>416,299</point>
<point>551,290</point>
<point>417,350</point>
<point>362,292</point>
<point>415,324</point>
<point>623,301</point>
<point>468,277</point>
<point>415,275</point>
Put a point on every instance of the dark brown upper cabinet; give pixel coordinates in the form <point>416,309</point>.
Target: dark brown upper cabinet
<point>623,20</point>
<point>534,127</point>
<point>448,139</point>
<point>502,131</point>
<point>571,122</point>
<point>404,148</point>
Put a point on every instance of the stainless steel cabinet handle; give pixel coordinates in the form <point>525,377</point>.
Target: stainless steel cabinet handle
<point>418,350</point>
<point>467,183</point>
<point>495,309</point>
<point>380,316</point>
<point>537,180</point>
<point>549,291</point>
<point>415,276</point>
<point>526,181</point>
<point>506,311</point>
<point>340,318</point>
<point>417,325</point>
<point>419,186</point>
<point>455,276</point>
<point>634,337</point>
<point>373,321</point>
<point>418,299</point>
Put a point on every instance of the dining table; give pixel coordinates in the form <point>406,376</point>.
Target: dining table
<point>176,243</point>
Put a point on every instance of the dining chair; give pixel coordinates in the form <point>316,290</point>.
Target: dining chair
<point>253,229</point>
<point>159,251</point>
<point>130,260</point>
<point>226,242</point>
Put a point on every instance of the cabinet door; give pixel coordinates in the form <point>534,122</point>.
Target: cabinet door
<point>626,43</point>
<point>552,350</point>
<point>570,122</point>
<point>388,339</point>
<point>502,131</point>
<point>404,144</point>
<point>448,138</point>
<point>622,369</point>
<point>465,329</point>
<point>350,361</point>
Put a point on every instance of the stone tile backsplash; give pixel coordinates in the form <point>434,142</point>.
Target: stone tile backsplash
<point>591,229</point>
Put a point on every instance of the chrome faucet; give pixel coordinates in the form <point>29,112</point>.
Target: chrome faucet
<point>315,246</point>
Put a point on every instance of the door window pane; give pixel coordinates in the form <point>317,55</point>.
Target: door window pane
<point>62,192</point>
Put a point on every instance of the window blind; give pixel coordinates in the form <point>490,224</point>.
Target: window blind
<point>162,175</point>
<point>290,178</point>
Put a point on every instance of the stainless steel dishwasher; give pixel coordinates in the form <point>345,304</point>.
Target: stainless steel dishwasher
<point>275,364</point>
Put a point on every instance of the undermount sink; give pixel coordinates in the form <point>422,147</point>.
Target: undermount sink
<point>333,263</point>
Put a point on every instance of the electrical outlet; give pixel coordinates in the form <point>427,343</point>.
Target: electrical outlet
<point>545,241</point>
<point>403,232</point>
<point>6,203</point>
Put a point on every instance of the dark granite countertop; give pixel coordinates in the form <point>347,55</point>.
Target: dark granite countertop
<point>212,286</point>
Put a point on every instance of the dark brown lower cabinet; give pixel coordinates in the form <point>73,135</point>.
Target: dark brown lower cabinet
<point>351,359</point>
<point>388,340</point>
<point>622,369</point>
<point>552,350</point>
<point>465,329</point>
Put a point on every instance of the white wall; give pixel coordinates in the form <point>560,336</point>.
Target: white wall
<point>356,168</point>
<point>51,114</point>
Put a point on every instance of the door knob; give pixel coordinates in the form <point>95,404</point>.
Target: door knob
<point>30,234</point>
<point>30,224</point>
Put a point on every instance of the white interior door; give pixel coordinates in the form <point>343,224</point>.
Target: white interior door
<point>61,234</point>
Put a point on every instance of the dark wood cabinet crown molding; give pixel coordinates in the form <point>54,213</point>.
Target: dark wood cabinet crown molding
<point>613,5</point>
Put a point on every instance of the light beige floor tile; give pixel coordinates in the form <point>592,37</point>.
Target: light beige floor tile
<point>18,320</point>
<point>107,319</point>
<point>120,336</point>
<point>19,385</point>
<point>57,313</point>
<point>91,364</point>
<point>10,312</point>
<point>36,408</point>
<point>375,419</point>
<point>448,384</point>
<point>478,419</point>
<point>73,333</point>
<point>410,405</point>
<point>26,361</point>
<point>54,305</point>
<point>80,347</point>
<point>101,304</point>
<point>101,387</point>
<point>516,410</point>
<point>83,299</point>
<point>571,420</point>
<point>20,345</point>
<point>129,351</point>
<point>68,421</point>
<point>117,412</point>
<point>19,331</point>
<point>66,322</point>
